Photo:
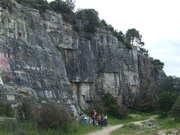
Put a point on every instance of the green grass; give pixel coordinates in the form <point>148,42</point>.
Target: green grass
<point>160,124</point>
<point>115,121</point>
<point>12,127</point>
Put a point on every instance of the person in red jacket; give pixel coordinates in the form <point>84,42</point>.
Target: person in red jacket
<point>94,116</point>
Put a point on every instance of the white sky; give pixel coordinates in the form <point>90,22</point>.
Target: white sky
<point>158,21</point>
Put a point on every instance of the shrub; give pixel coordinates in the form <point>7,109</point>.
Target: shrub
<point>166,100</point>
<point>91,16</point>
<point>100,108</point>
<point>10,125</point>
<point>176,108</point>
<point>53,116</point>
<point>25,111</point>
<point>119,111</point>
<point>158,65</point>
<point>122,112</point>
<point>6,109</point>
<point>62,7</point>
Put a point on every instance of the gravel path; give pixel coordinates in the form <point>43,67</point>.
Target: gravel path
<point>108,130</point>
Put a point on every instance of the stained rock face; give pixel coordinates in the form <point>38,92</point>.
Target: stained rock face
<point>43,56</point>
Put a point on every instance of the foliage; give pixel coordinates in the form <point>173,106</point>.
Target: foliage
<point>133,37</point>
<point>158,65</point>
<point>24,93</point>
<point>11,125</point>
<point>1,90</point>
<point>53,116</point>
<point>119,111</point>
<point>41,5</point>
<point>100,108</point>
<point>25,111</point>
<point>171,84</point>
<point>168,92</point>
<point>6,109</point>
<point>64,8</point>
<point>119,35</point>
<point>143,51</point>
<point>91,16</point>
<point>176,108</point>
<point>166,100</point>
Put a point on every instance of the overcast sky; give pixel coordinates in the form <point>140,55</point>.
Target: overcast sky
<point>158,21</point>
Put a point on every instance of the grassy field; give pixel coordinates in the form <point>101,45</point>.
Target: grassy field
<point>167,125</point>
<point>29,128</point>
<point>12,127</point>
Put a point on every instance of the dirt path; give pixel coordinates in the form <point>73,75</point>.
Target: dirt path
<point>108,130</point>
<point>141,122</point>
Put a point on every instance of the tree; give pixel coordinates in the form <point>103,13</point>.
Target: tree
<point>64,8</point>
<point>71,3</point>
<point>61,6</point>
<point>166,100</point>
<point>119,111</point>
<point>176,108</point>
<point>91,16</point>
<point>133,37</point>
<point>119,35</point>
<point>158,65</point>
<point>171,84</point>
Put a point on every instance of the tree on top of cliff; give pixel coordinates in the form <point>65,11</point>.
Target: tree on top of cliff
<point>158,65</point>
<point>133,37</point>
<point>64,8</point>
<point>91,16</point>
<point>42,5</point>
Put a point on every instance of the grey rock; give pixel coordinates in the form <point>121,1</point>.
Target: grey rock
<point>46,58</point>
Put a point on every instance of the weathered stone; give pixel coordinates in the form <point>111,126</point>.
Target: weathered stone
<point>44,57</point>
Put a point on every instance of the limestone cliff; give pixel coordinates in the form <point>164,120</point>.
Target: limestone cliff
<point>42,56</point>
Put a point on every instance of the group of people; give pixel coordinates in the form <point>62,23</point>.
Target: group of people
<point>97,120</point>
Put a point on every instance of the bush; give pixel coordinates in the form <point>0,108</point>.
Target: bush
<point>10,125</point>
<point>166,100</point>
<point>25,111</point>
<point>53,116</point>
<point>119,111</point>
<point>62,7</point>
<point>122,112</point>
<point>100,108</point>
<point>176,108</point>
<point>91,16</point>
<point>6,109</point>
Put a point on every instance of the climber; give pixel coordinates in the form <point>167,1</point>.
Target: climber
<point>20,34</point>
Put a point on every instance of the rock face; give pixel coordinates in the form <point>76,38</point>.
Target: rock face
<point>43,56</point>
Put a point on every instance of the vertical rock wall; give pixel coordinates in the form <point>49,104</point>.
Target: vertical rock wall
<point>43,56</point>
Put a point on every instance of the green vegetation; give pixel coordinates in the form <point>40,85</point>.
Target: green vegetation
<point>166,100</point>
<point>119,111</point>
<point>6,109</point>
<point>159,124</point>
<point>1,90</point>
<point>47,119</point>
<point>66,9</point>
<point>137,117</point>
<point>168,93</point>
<point>110,107</point>
<point>175,112</point>
<point>133,37</point>
<point>42,5</point>
<point>91,17</point>
<point>24,93</point>
<point>158,65</point>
